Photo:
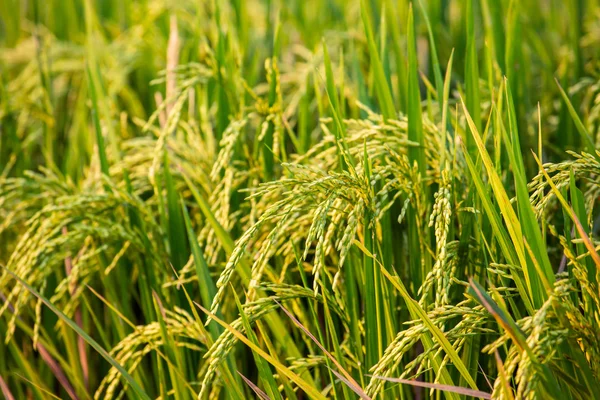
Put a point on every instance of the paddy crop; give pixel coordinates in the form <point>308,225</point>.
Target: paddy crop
<point>371,199</point>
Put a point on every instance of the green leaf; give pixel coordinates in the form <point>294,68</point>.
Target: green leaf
<point>177,242</point>
<point>418,313</point>
<point>518,336</point>
<point>128,378</point>
<point>585,135</point>
<point>415,119</point>
<point>308,388</point>
<point>513,224</point>
<point>384,95</point>
<point>437,72</point>
<point>472,75</point>
<point>264,371</point>
<point>97,126</point>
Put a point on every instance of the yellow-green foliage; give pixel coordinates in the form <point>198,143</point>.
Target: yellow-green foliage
<point>357,174</point>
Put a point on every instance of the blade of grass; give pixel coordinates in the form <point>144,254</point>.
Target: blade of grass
<point>472,76</point>
<point>345,159</point>
<point>416,155</point>
<point>384,95</point>
<point>207,286</point>
<point>585,135</point>
<point>531,229</point>
<point>445,96</point>
<point>46,392</point>
<point>508,392</point>
<point>437,72</point>
<point>234,389</point>
<point>359,392</point>
<point>162,355</point>
<point>586,240</point>
<point>97,126</point>
<point>418,313</point>
<point>314,314</point>
<point>175,365</point>
<point>261,395</point>
<point>578,203</point>
<point>415,119</point>
<point>58,372</point>
<point>309,389</point>
<point>128,378</point>
<point>177,243</point>
<point>444,388</point>
<point>224,238</point>
<point>511,327</point>
<point>353,384</point>
<point>513,223</point>
<point>5,390</point>
<point>264,372</point>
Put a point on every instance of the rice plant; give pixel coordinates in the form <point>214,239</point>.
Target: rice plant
<point>299,199</point>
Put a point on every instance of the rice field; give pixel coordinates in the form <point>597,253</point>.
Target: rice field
<point>299,199</point>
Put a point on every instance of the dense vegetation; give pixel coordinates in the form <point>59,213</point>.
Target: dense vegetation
<point>299,199</point>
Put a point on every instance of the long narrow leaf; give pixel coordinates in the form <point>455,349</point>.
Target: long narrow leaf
<point>135,386</point>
